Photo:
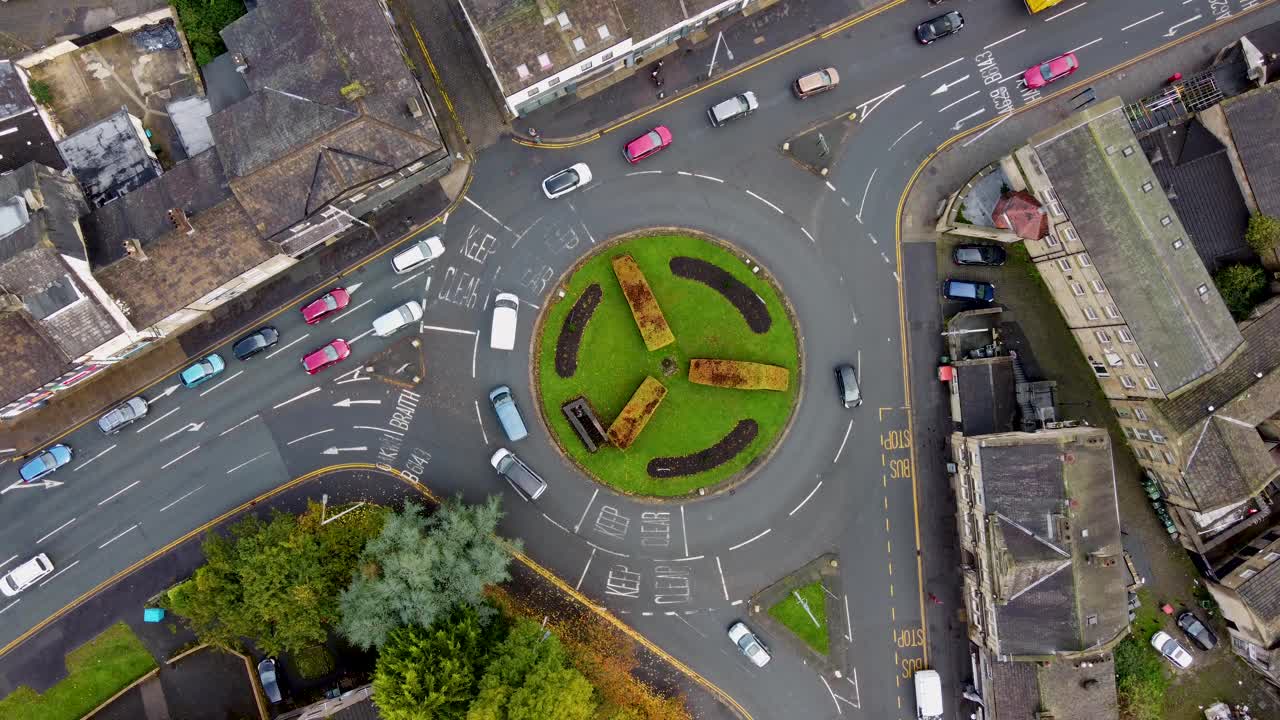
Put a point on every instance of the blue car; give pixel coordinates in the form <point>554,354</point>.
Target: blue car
<point>45,463</point>
<point>203,370</point>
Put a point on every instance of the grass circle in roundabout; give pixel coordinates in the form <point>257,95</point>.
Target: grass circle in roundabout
<point>699,436</point>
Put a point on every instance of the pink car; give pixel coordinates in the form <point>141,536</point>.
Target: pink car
<point>647,144</point>
<point>325,355</point>
<point>332,301</point>
<point>1050,71</point>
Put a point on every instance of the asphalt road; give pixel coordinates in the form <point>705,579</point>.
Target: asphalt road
<point>680,573</point>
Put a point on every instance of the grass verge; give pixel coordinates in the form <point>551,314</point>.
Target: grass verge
<point>96,670</point>
<point>791,613</point>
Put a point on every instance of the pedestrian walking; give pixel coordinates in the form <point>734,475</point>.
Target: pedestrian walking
<point>934,599</point>
<point>1174,78</point>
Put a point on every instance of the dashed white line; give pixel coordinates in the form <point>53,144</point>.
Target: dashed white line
<point>687,559</point>
<point>281,349</point>
<point>456,331</point>
<point>1064,12</point>
<point>15,557</point>
<point>233,427</point>
<point>311,435</point>
<point>681,172</point>
<point>708,177</point>
<point>847,430</point>
<point>55,575</point>
<point>944,67</point>
<point>848,625</point>
<point>184,497</point>
<point>748,542</point>
<point>6,607</point>
<point>361,336</point>
<point>312,391</point>
<point>866,190</point>
<point>166,465</point>
<point>591,502</point>
<point>796,509</point>
<point>51,534</point>
<point>1006,37</point>
<point>1136,24</point>
<point>766,202</point>
<point>831,187</point>
<point>736,603</point>
<point>1091,42</point>
<point>957,102</point>
<point>126,532</point>
<point>874,241</point>
<point>585,569</point>
<point>645,172</point>
<point>246,462</point>
<point>118,493</point>
<point>846,202</point>
<point>348,311</point>
<point>806,234</point>
<point>480,420</point>
<point>95,457</point>
<point>913,127</point>
<point>411,278</point>
<point>220,384</point>
<point>723,586</point>
<point>153,422</point>
<point>553,522</point>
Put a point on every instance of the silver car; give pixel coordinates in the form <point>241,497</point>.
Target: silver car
<point>749,644</point>
<point>417,255</point>
<point>131,410</point>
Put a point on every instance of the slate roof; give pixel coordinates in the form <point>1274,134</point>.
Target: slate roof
<point>1251,117</point>
<point>23,135</point>
<point>1015,690</point>
<point>1195,173</point>
<point>109,158</point>
<point>21,229</point>
<point>31,358</point>
<point>1124,229</point>
<point>1227,462</point>
<point>1065,693</point>
<point>69,315</point>
<point>987,395</point>
<point>1262,593</point>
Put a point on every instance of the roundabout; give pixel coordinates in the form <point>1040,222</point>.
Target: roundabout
<point>717,304</point>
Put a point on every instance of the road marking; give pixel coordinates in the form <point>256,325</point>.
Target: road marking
<point>348,311</point>
<point>167,392</point>
<point>357,506</point>
<point>449,330</point>
<point>865,190</point>
<point>592,501</point>
<point>553,522</point>
<point>189,427</point>
<point>15,557</point>
<point>681,619</point>
<point>338,450</point>
<point>377,429</point>
<point>748,542</point>
<point>220,384</point>
<point>678,172</point>
<point>1136,24</point>
<point>312,391</point>
<point>51,534</point>
<point>766,202</point>
<point>806,498</point>
<point>833,694</point>
<point>645,172</point>
<point>873,239</point>
<point>279,350</point>
<point>848,624</point>
<point>997,124</point>
<point>1006,37</point>
<point>603,550</point>
<point>913,127</point>
<point>687,559</point>
<point>1173,29</point>
<point>947,86</point>
<point>490,215</point>
<point>806,234</point>
<point>482,432</point>
<point>1091,42</point>
<point>957,102</point>
<point>940,69</point>
<point>184,497</point>
<point>875,102</point>
<point>166,465</point>
<point>126,532</point>
<point>6,607</point>
<point>584,569</point>
<point>55,575</point>
<point>304,437</point>
<point>118,493</point>
<point>831,187</point>
<point>411,278</point>
<point>970,116</point>
<point>242,422</point>
<point>1064,12</point>
<point>246,463</point>
<point>707,177</point>
<point>153,422</point>
<point>684,530</point>
<point>95,457</point>
<point>362,335</point>
<point>348,402</point>
<point>723,586</point>
<point>475,350</point>
<point>857,694</point>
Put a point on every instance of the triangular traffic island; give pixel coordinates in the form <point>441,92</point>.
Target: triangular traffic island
<point>403,364</point>
<point>804,611</point>
<point>817,148</point>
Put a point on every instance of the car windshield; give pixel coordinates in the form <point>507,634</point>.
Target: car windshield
<point>746,642</point>
<point>329,302</point>
<point>654,138</point>
<point>825,76</point>
<point>206,367</point>
<point>562,181</point>
<point>969,255</point>
<point>1194,627</point>
<point>330,353</point>
<point>1046,71</point>
<point>1170,647</point>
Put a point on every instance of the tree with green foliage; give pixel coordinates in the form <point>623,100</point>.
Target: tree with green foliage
<point>1263,234</point>
<point>529,678</point>
<point>274,581</point>
<point>429,673</point>
<point>419,567</point>
<point>1242,287</point>
<point>202,20</point>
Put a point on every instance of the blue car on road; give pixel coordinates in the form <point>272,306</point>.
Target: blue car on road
<point>203,370</point>
<point>45,463</point>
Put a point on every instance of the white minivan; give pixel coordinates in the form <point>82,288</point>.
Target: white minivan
<point>928,695</point>
<point>25,575</point>
<point>502,334</point>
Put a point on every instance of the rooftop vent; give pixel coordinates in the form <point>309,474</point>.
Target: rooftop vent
<point>178,217</point>
<point>241,62</point>
<point>415,108</point>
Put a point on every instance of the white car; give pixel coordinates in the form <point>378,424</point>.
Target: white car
<point>417,255</point>
<point>566,181</point>
<point>25,575</point>
<point>502,334</point>
<point>1170,648</point>
<point>389,323</point>
<point>749,644</point>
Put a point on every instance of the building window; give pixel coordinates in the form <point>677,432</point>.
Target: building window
<point>1128,150</point>
<point>1150,382</point>
<point>603,32</point>
<point>1069,233</point>
<point>563,18</point>
<point>1090,313</point>
<point>1168,457</point>
<point>1147,186</point>
<point>579,44</point>
<point>1077,289</point>
<point>1122,413</point>
<point>1064,265</point>
<point>1177,244</point>
<point>534,91</point>
<point>1204,292</point>
<point>1103,336</point>
<point>1050,240</point>
<point>1127,382</point>
<point>1140,414</point>
<point>522,71</point>
<point>544,60</point>
<point>1114,359</point>
<point>1098,368</point>
<point>1098,287</point>
<point>1111,149</point>
<point>1055,207</point>
<point>585,66</point>
<point>1271,556</point>
<point>1138,359</point>
<point>1128,432</point>
<point>1166,221</point>
<point>1157,437</point>
<point>1141,434</point>
<point>1247,573</point>
<point>607,56</point>
<point>1111,312</point>
<point>1083,260</point>
<point>554,82</point>
<point>1124,335</point>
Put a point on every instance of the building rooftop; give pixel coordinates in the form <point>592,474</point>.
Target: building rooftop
<point>23,227</point>
<point>190,116</point>
<point>31,26</point>
<point>31,359</point>
<point>23,135</point>
<point>987,395</point>
<point>110,158</point>
<point>1015,690</point>
<point>1227,459</point>
<point>646,18</point>
<point>1164,292</point>
<point>1066,690</point>
<point>1251,117</point>
<point>1262,593</point>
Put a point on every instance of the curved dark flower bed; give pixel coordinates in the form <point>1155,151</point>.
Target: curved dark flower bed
<point>730,445</point>
<point>749,304</point>
<point>575,323</point>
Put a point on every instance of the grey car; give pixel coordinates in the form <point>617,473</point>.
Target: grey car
<point>738,106</point>
<point>267,675</point>
<point>847,384</point>
<point>122,415</point>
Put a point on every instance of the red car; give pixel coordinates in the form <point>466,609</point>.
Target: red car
<point>647,144</point>
<point>325,355</point>
<point>1050,70</point>
<point>330,302</point>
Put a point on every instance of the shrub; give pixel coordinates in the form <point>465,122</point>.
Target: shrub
<point>1263,233</point>
<point>313,662</point>
<point>41,91</point>
<point>201,22</point>
<point>635,415</point>
<point>738,374</point>
<point>1242,287</point>
<point>644,306</point>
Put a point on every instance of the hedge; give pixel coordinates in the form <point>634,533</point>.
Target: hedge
<point>644,306</point>
<point>738,374</point>
<point>635,415</point>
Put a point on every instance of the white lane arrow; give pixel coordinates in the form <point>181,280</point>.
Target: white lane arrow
<point>947,86</point>
<point>960,123</point>
<point>1173,29</point>
<point>336,450</point>
<point>167,392</point>
<point>353,287</point>
<point>46,485</point>
<point>189,427</point>
<point>349,402</point>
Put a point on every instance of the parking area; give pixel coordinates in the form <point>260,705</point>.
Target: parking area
<point>205,685</point>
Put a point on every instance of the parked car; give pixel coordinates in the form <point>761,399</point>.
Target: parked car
<point>417,255</point>
<point>937,28</point>
<point>1199,633</point>
<point>25,575</point>
<point>523,479</point>
<point>847,384</point>
<point>388,323</point>
<point>815,83</point>
<point>502,333</point>
<point>255,342</point>
<point>328,354</point>
<point>504,405</point>
<point>122,415</point>
<point>1050,71</point>
<point>970,290</point>
<point>974,254</point>
<point>45,463</point>
<point>203,371</point>
<point>648,144</point>
<point>566,181</point>
<point>738,106</point>
<point>1170,648</point>
<point>328,303</point>
<point>749,644</point>
<point>267,676</point>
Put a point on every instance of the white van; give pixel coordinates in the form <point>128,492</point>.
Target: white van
<point>502,335</point>
<point>928,695</point>
<point>389,323</point>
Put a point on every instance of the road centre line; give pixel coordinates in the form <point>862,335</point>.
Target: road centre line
<point>684,529</point>
<point>723,585</point>
<point>242,422</point>
<point>51,534</point>
<point>348,311</point>
<point>831,187</point>
<point>1136,24</point>
<point>55,575</point>
<point>1006,37</point>
<point>361,336</point>
<point>592,501</point>
<point>895,142</point>
<point>682,172</point>
<point>736,603</point>
<point>806,498</point>
<point>15,557</point>
<point>585,568</point>
<point>184,497</point>
<point>246,462</point>
<point>166,465</point>
<point>553,522</point>
<point>220,384</point>
<point>311,435</point>
<point>748,542</point>
<point>1091,42</point>
<point>847,430</point>
<point>687,559</point>
<point>766,202</point>
<point>449,330</point>
<point>312,391</point>
<point>279,350</point>
<point>806,234</point>
<point>126,532</point>
<point>940,69</point>
<point>1064,12</point>
<point>411,278</point>
<point>95,457</point>
<point>605,550</point>
<point>957,102</point>
<point>153,422</point>
<point>6,607</point>
<point>118,492</point>
<point>484,434</point>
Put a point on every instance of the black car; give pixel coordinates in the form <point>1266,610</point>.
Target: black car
<point>1196,630</point>
<point>939,27</point>
<point>255,342</point>
<point>979,255</point>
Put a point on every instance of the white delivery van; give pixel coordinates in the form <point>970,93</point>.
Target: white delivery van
<point>928,695</point>
<point>502,335</point>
